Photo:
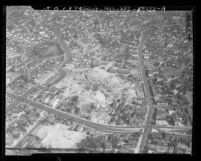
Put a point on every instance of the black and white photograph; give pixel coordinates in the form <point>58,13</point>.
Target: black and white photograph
<point>98,81</point>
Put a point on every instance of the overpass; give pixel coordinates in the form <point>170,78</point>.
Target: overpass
<point>96,126</point>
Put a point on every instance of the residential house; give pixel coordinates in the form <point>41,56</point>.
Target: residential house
<point>79,128</point>
<point>43,113</point>
<point>175,91</point>
<point>171,149</point>
<point>155,71</point>
<point>113,112</point>
<point>156,96</point>
<point>133,62</point>
<point>128,146</point>
<point>151,74</point>
<point>61,98</point>
<point>31,97</point>
<point>140,93</point>
<point>136,56</point>
<point>124,137</point>
<point>133,140</point>
<point>171,112</point>
<point>174,101</point>
<point>179,124</point>
<point>147,56</point>
<point>55,102</point>
<point>108,146</point>
<point>162,104</point>
<point>182,146</point>
<point>46,100</point>
<point>120,143</point>
<point>73,126</point>
<point>154,130</point>
<point>161,149</point>
<point>139,122</point>
<point>123,150</point>
<point>150,151</point>
<point>188,151</point>
<point>159,79</point>
<point>161,114</point>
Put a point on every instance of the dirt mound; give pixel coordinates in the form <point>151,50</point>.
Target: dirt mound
<point>59,136</point>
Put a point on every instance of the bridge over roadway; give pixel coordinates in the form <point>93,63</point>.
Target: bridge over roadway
<point>99,127</point>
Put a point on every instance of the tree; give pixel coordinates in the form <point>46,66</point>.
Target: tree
<point>163,135</point>
<point>150,137</point>
<point>146,149</point>
<point>171,120</point>
<point>114,140</point>
<point>77,110</point>
<point>88,143</point>
<point>173,142</point>
<point>102,143</point>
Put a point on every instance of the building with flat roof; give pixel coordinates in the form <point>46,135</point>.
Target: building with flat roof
<point>162,122</point>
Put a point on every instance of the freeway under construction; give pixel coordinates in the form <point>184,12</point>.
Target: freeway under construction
<point>99,127</point>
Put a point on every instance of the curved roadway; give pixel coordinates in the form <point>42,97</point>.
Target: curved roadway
<point>99,127</point>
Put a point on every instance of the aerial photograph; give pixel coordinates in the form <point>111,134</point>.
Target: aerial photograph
<point>98,81</point>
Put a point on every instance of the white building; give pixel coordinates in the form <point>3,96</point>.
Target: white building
<point>151,74</point>
<point>46,100</point>
<point>150,151</point>
<point>159,79</point>
<point>171,112</point>
<point>135,56</point>
<point>55,102</point>
<point>179,124</point>
<point>175,91</point>
<point>43,113</point>
<point>147,56</point>
<point>132,92</point>
<point>162,122</point>
<point>79,128</point>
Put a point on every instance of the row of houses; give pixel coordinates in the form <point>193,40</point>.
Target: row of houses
<point>127,143</point>
<point>147,57</point>
<point>164,122</point>
<point>52,97</point>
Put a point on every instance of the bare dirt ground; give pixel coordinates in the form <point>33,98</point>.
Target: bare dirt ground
<point>58,136</point>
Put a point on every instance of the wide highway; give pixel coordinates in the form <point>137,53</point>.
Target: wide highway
<point>99,127</point>
<point>150,108</point>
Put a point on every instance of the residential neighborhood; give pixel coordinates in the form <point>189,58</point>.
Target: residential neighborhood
<point>98,82</point>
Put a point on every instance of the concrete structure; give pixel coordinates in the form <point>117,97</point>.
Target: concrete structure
<point>162,122</point>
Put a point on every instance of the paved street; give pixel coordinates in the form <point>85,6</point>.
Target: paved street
<point>99,127</point>
<point>150,108</point>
